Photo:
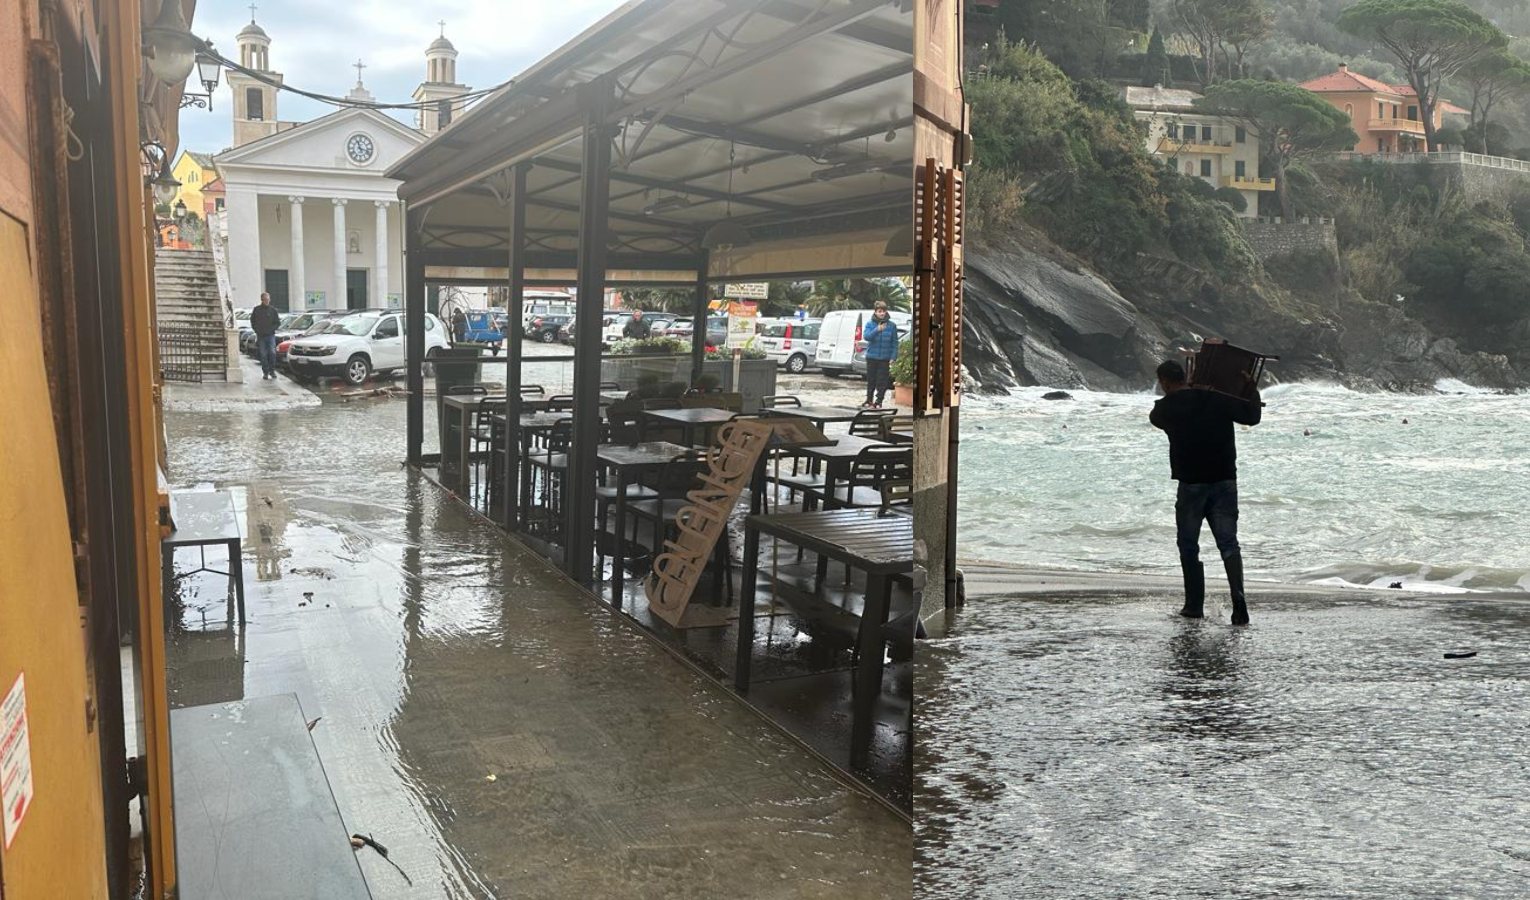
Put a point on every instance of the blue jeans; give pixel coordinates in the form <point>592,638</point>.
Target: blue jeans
<point>267,347</point>
<point>1216,503</point>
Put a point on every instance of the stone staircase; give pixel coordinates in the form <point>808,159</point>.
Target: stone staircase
<point>193,328</point>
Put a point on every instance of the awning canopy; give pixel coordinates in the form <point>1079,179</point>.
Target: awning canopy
<point>792,118</point>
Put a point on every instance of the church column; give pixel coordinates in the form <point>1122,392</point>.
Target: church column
<point>338,299</point>
<point>297,292</point>
<point>380,266</point>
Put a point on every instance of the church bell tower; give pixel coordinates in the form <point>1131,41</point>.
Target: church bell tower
<point>254,99</point>
<point>439,91</point>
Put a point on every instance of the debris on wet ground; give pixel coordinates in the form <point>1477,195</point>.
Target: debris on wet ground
<point>313,722</point>
<point>1462,654</point>
<point>1396,585</point>
<point>358,841</point>
<point>313,572</point>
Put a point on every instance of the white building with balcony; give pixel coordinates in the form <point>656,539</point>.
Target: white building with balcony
<point>1219,152</point>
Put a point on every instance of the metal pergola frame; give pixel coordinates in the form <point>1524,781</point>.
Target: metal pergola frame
<point>558,174</point>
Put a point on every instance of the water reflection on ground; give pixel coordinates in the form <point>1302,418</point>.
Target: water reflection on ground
<point>1090,746</point>
<point>500,732</point>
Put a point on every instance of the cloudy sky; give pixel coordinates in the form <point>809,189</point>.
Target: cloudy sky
<point>314,44</point>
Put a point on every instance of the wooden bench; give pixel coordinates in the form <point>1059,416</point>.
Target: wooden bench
<point>254,815</point>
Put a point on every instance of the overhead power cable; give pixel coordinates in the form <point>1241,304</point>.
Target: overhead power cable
<point>345,101</point>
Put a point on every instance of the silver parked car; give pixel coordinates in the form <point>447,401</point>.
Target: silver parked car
<point>791,342</point>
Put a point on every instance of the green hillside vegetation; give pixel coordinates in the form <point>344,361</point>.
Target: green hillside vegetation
<point>1068,158</point>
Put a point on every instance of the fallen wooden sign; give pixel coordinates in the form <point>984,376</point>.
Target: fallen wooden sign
<point>699,524</point>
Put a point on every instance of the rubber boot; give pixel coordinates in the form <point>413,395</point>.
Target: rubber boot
<point>1234,565</point>
<point>1195,590</point>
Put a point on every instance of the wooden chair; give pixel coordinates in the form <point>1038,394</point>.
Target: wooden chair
<point>550,461</point>
<point>896,427</point>
<point>869,471</point>
<point>868,422</point>
<point>777,401</point>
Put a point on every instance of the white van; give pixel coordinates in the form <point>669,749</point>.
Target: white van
<point>545,303</point>
<point>839,337</point>
<point>792,343</point>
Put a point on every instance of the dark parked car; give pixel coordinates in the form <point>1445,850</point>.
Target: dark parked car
<point>247,335</point>
<point>545,328</point>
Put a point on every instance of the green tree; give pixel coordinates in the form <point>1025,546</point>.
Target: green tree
<point>1291,122</point>
<point>1493,77</point>
<point>786,297</point>
<point>1155,65</point>
<point>1432,39</point>
<point>830,294</point>
<point>1211,25</point>
<point>671,300</point>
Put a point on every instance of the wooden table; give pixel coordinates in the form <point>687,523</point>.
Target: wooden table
<point>527,428</point>
<point>704,416</point>
<point>458,415</point>
<point>880,546</point>
<point>628,461</point>
<point>818,415</point>
<point>837,459</point>
<point>203,518</point>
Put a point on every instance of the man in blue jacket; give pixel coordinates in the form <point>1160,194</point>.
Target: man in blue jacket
<point>881,337</point>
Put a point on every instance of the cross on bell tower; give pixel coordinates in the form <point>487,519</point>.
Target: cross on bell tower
<point>358,65</point>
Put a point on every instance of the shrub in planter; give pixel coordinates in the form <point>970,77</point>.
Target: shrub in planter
<point>650,345</point>
<point>708,383</point>
<point>902,372</point>
<point>726,353</point>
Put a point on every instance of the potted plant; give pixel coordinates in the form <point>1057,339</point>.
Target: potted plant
<point>902,372</point>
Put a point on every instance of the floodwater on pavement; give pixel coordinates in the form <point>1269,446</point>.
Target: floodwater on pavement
<point>1090,746</point>
<point>503,734</point>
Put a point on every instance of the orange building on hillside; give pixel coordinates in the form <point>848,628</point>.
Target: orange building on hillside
<point>1385,116</point>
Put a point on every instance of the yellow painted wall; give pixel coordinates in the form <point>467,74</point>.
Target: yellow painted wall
<point>192,176</point>
<point>59,850</point>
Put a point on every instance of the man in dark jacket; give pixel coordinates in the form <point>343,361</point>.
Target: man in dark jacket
<point>881,337</point>
<point>1203,458</point>
<point>637,327</point>
<point>263,321</point>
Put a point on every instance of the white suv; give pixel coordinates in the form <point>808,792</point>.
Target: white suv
<point>355,347</point>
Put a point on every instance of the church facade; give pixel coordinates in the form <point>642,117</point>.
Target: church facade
<point>311,219</point>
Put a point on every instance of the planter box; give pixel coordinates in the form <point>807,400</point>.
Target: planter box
<point>903,395</point>
<point>757,377</point>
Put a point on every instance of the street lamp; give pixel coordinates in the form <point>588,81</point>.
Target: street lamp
<point>157,161</point>
<point>209,67</point>
<point>171,45</point>
<point>179,209</point>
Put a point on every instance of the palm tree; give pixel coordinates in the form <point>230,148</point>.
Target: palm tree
<point>670,300</point>
<point>857,293</point>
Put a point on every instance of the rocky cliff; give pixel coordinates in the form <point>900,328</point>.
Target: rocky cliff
<point>1036,315</point>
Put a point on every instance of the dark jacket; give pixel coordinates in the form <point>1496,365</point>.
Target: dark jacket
<point>881,338</point>
<point>1199,423</point>
<point>637,328</point>
<point>264,319</point>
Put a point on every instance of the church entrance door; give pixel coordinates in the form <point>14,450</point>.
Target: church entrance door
<point>276,286</point>
<point>356,288</point>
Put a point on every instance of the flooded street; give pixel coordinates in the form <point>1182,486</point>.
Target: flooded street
<point>1088,745</point>
<point>502,733</point>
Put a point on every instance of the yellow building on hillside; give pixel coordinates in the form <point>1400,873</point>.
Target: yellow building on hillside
<point>193,170</point>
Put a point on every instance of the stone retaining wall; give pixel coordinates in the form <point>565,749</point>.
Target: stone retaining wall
<point>1272,238</point>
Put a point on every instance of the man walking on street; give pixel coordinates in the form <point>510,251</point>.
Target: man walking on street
<point>1203,459</point>
<point>637,327</point>
<point>264,319</point>
<point>881,337</point>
